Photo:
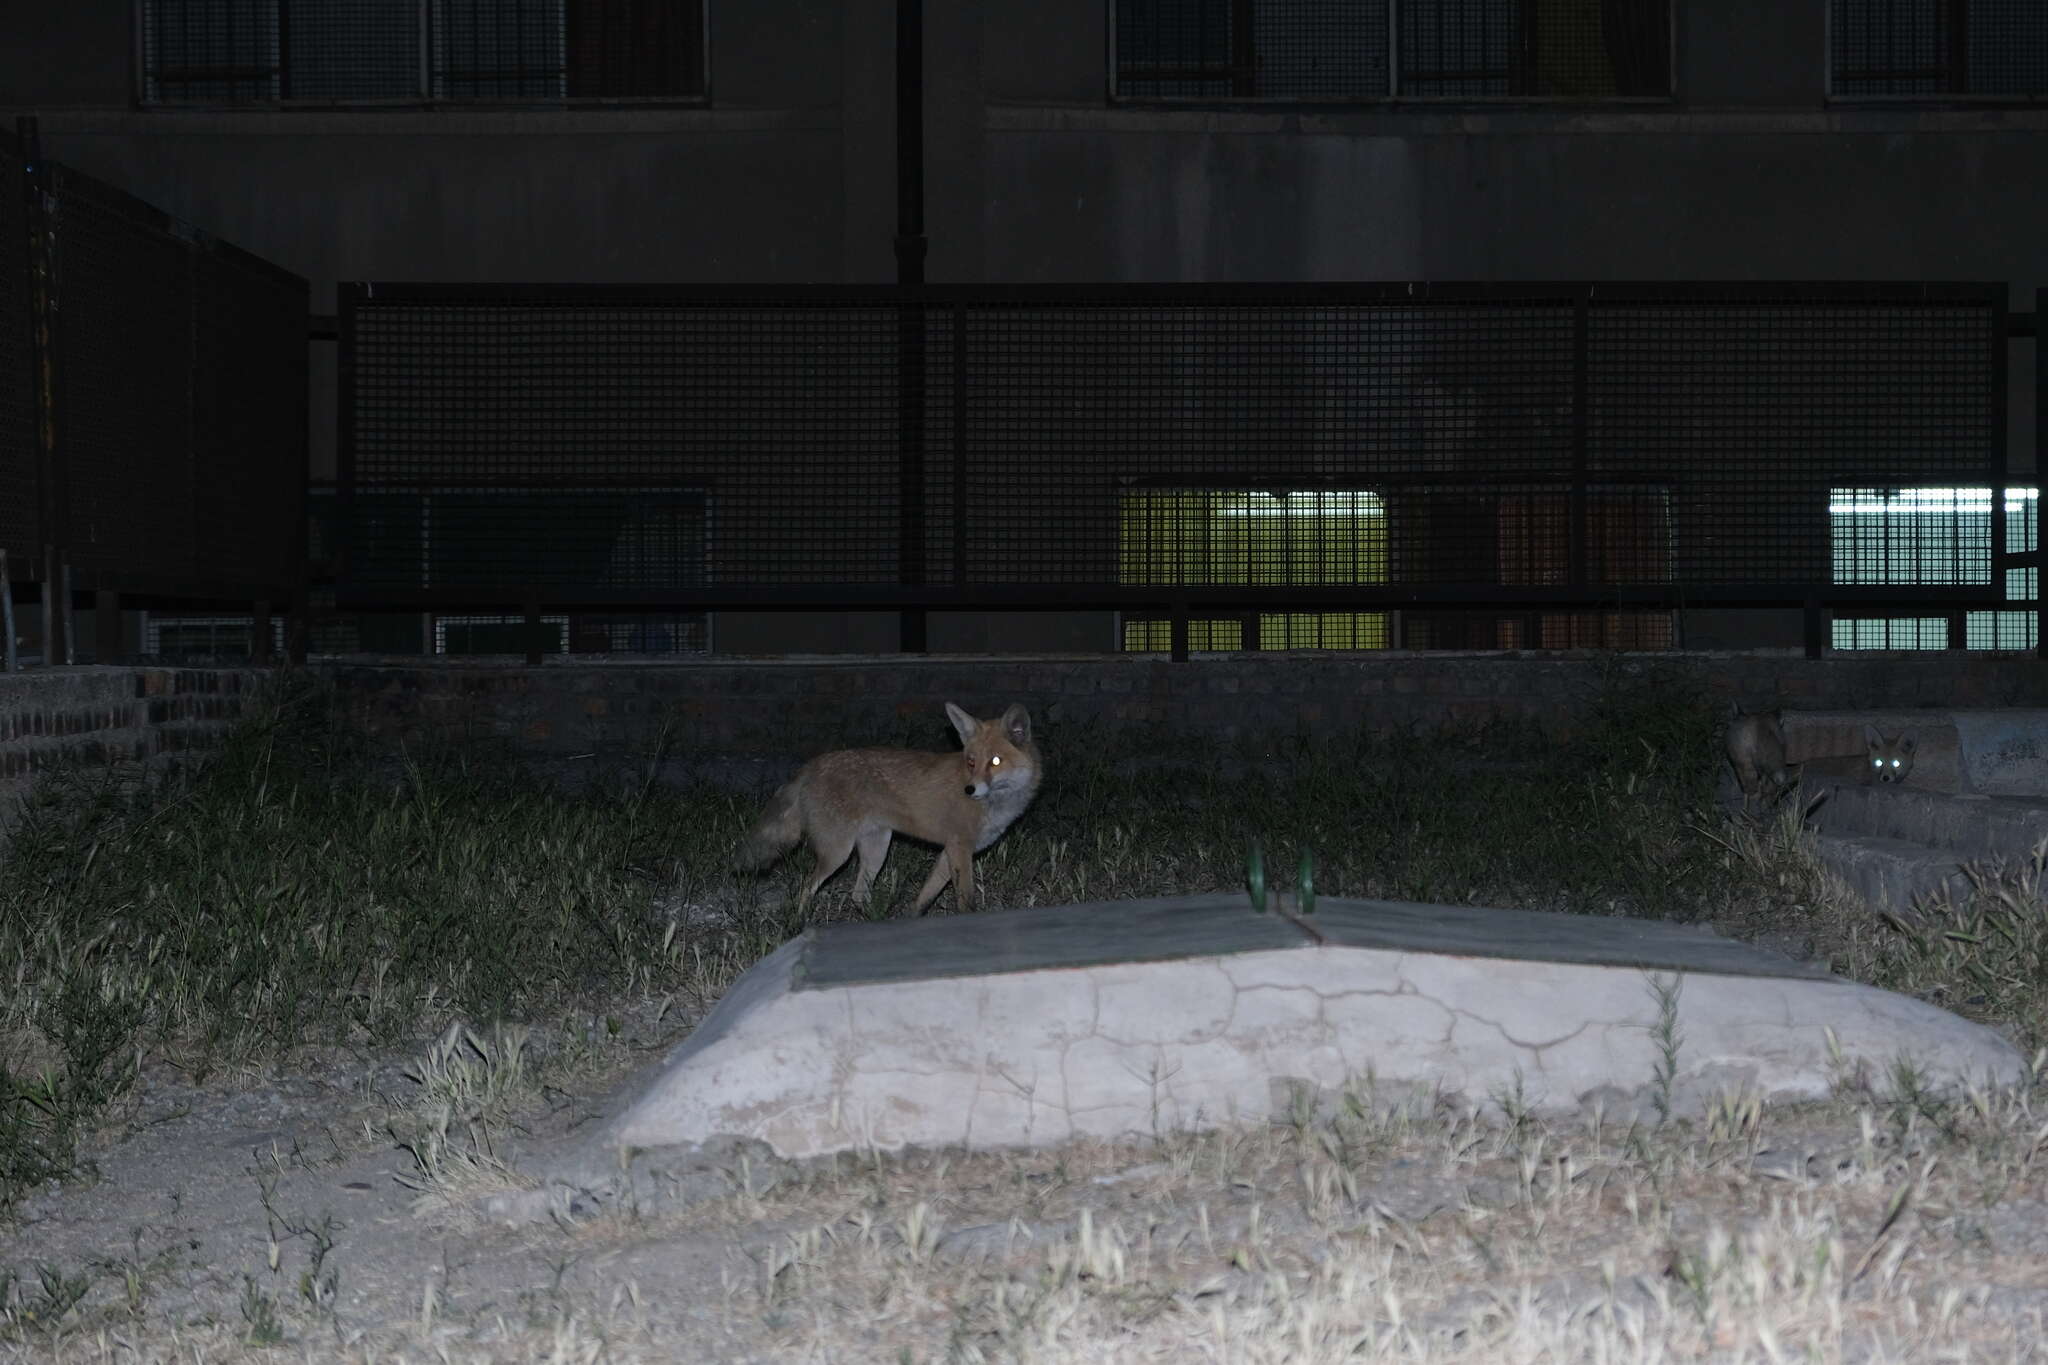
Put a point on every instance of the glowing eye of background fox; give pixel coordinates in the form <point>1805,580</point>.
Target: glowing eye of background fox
<point>995,760</point>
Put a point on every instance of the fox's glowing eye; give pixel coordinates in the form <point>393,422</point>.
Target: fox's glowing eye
<point>995,761</point>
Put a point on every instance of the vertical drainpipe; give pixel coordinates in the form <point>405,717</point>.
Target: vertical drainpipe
<point>52,511</point>
<point>910,252</point>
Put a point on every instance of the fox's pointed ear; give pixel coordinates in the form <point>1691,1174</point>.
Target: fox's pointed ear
<point>1908,743</point>
<point>1872,736</point>
<point>962,722</point>
<point>1017,721</point>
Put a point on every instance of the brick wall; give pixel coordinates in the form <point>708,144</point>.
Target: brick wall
<point>98,716</point>
<point>778,709</point>
<point>782,707</point>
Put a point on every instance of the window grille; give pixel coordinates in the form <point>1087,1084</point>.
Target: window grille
<point>239,52</point>
<point>1937,49</point>
<point>1932,537</point>
<point>498,634</point>
<point>1218,537</point>
<point>1333,50</point>
<point>205,637</point>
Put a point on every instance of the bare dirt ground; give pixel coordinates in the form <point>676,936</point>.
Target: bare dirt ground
<point>314,1215</point>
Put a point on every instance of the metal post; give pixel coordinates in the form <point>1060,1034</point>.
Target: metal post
<point>40,213</point>
<point>69,622</point>
<point>910,254</point>
<point>298,626</point>
<point>106,626</point>
<point>9,660</point>
<point>1575,545</point>
<point>2001,475</point>
<point>52,644</point>
<point>960,468</point>
<point>259,633</point>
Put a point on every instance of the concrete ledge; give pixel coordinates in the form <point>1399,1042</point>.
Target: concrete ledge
<point>2009,827</point>
<point>2004,753</point>
<point>810,1061</point>
<point>1892,874</point>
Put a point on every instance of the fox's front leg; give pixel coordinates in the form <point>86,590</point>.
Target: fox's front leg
<point>955,861</point>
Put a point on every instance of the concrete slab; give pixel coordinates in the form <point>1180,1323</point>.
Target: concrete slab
<point>2004,753</point>
<point>1964,826</point>
<point>1034,1027</point>
<point>1892,874</point>
<point>1179,927</point>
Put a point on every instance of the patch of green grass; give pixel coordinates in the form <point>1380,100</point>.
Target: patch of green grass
<point>1982,954</point>
<point>1601,823</point>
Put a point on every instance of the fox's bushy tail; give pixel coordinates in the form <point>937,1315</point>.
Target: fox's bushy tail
<point>774,834</point>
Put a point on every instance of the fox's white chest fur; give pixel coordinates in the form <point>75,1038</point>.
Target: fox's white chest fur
<point>1007,797</point>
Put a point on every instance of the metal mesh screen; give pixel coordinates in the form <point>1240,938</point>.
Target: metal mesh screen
<point>1495,466</point>
<point>373,51</point>
<point>248,405</point>
<point>181,402</point>
<point>124,419</point>
<point>631,447</point>
<point>1755,409</point>
<point>1442,49</point>
<point>20,523</point>
<point>1191,444</point>
<point>1933,534</point>
<point>1937,48</point>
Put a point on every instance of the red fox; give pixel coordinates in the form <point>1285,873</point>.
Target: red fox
<point>1756,751</point>
<point>856,798</point>
<point>1891,760</point>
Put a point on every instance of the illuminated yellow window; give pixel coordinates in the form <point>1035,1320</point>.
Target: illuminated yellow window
<point>1247,538</point>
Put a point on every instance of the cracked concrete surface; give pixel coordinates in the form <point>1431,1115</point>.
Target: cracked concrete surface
<point>889,1035</point>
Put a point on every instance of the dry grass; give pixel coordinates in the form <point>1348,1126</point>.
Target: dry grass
<point>1396,1227</point>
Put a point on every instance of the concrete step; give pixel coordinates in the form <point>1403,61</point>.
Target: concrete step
<point>1962,826</point>
<point>1892,874</point>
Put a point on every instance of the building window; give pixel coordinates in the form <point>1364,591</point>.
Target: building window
<point>1932,537</point>
<point>1223,537</point>
<point>232,52</point>
<point>1937,49</point>
<point>498,634</point>
<point>1329,50</point>
<point>171,636</point>
<point>1408,533</point>
<point>597,538</point>
<point>1521,536</point>
<point>627,539</point>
